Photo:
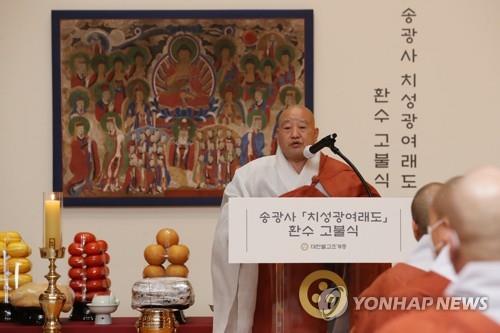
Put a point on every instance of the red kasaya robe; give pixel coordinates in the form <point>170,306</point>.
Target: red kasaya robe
<point>440,321</point>
<point>387,282</point>
<point>429,284</point>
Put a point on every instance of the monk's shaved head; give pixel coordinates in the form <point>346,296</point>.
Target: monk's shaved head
<point>297,111</point>
<point>441,203</point>
<point>472,203</point>
<point>421,204</point>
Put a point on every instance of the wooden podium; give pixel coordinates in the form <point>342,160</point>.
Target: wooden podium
<point>278,307</point>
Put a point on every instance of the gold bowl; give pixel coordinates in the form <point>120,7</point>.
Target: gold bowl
<point>156,320</point>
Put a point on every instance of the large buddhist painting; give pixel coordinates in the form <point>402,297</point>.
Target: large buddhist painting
<point>164,107</point>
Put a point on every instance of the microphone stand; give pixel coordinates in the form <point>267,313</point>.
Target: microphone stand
<point>345,318</point>
<point>336,150</point>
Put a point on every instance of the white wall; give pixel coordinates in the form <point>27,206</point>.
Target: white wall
<point>356,50</point>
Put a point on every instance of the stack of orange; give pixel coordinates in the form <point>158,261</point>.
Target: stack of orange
<point>167,247</point>
<point>13,253</point>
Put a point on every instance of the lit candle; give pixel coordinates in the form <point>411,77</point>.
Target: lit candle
<point>52,210</point>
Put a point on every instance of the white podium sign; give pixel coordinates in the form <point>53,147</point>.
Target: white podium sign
<point>321,230</point>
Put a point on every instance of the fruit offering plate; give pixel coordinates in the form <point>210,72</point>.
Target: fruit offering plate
<point>165,292</point>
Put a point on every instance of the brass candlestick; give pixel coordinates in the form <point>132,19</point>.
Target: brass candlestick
<point>52,299</point>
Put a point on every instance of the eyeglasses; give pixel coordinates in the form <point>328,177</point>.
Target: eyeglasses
<point>431,228</point>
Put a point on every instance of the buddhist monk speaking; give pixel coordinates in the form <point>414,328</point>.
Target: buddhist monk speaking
<point>241,292</point>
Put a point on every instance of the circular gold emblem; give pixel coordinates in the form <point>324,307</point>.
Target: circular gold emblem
<point>326,302</point>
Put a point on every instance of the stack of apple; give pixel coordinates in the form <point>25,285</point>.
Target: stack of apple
<point>167,247</point>
<point>88,273</point>
<point>14,264</point>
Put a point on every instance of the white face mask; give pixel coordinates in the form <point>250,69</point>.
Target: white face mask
<point>430,229</point>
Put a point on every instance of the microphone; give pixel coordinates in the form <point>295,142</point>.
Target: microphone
<point>329,141</point>
<point>311,150</point>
